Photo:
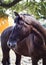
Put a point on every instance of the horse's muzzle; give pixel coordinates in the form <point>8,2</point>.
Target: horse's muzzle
<point>12,44</point>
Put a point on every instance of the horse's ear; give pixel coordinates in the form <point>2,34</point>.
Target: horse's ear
<point>16,20</point>
<point>16,14</point>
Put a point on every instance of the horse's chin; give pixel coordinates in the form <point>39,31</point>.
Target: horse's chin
<point>14,49</point>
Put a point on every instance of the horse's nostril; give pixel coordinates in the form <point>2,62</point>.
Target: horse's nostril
<point>9,45</point>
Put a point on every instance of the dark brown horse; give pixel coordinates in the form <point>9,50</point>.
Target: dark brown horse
<point>22,45</point>
<point>27,46</point>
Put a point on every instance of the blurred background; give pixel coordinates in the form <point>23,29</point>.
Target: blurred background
<point>36,8</point>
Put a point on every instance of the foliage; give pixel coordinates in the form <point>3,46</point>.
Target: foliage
<point>8,1</point>
<point>38,9</point>
<point>2,12</point>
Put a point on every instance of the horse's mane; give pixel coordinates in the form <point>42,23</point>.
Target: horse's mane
<point>26,14</point>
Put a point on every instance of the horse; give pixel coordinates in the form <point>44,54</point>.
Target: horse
<point>24,44</point>
<point>25,31</point>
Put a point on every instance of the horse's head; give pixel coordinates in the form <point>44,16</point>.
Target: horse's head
<point>19,32</point>
<point>22,30</point>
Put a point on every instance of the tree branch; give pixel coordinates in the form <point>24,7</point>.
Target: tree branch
<point>10,4</point>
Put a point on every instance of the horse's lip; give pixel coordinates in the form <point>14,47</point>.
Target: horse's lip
<point>16,51</point>
<point>13,48</point>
